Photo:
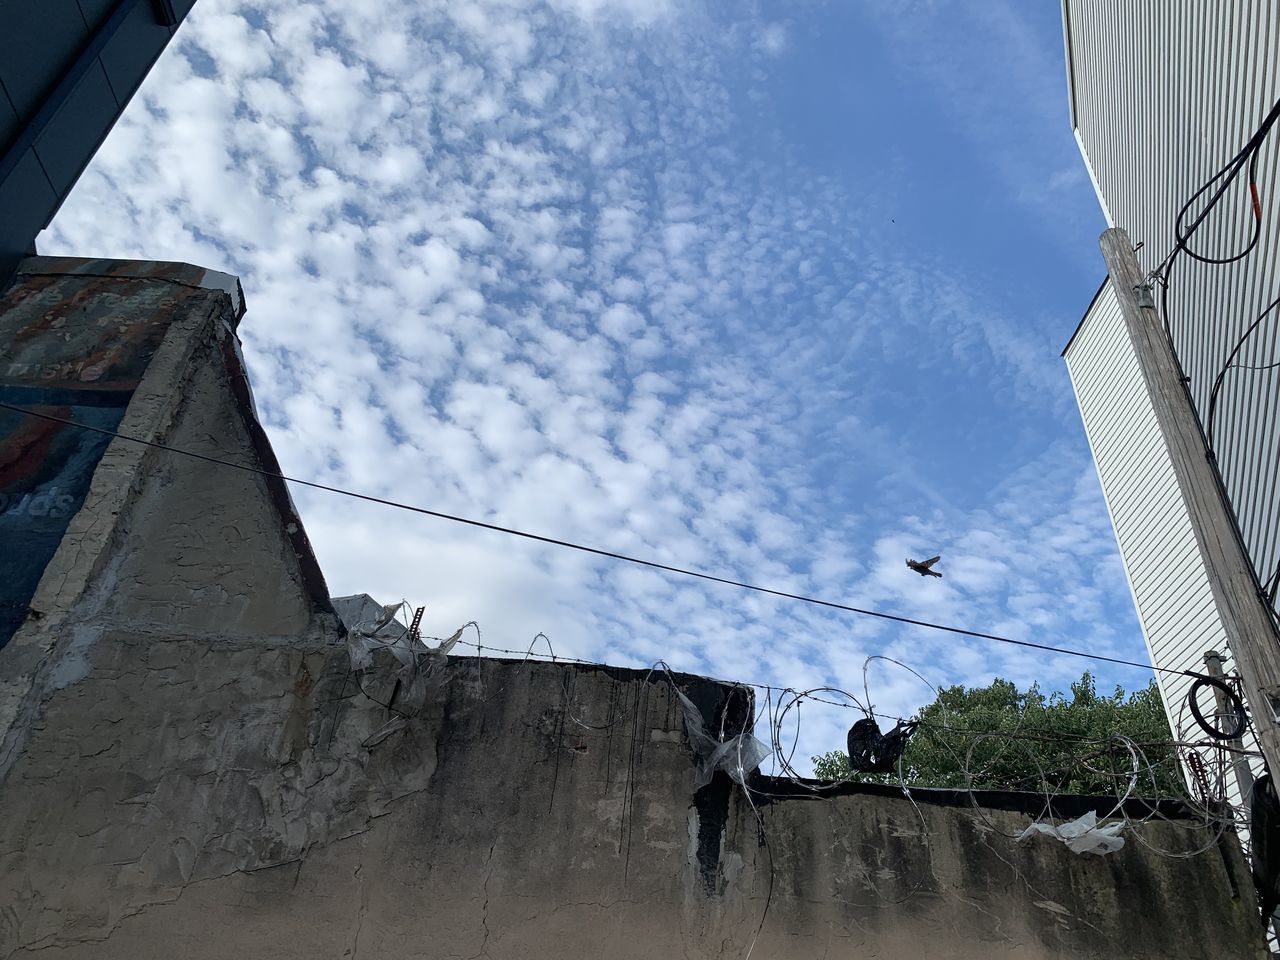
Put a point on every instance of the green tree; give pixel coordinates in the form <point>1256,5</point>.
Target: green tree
<point>1023,740</point>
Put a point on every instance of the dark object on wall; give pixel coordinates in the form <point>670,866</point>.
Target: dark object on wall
<point>68,68</point>
<point>871,751</point>
<point>1264,830</point>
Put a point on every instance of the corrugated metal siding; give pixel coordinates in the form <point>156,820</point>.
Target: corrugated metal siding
<point>1164,94</point>
<point>1152,527</point>
<point>1157,544</point>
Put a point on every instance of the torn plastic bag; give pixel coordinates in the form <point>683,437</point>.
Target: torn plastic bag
<point>736,756</point>
<point>418,664</point>
<point>1082,835</point>
<point>435,657</point>
<point>423,664</point>
<point>360,648</point>
<point>384,633</point>
<point>870,751</point>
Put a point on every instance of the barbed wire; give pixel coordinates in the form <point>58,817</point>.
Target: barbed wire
<point>1138,795</point>
<point>1142,770</point>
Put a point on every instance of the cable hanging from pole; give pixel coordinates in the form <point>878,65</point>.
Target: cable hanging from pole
<point>1187,223</point>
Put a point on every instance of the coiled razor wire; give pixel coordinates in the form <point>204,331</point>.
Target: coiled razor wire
<point>1127,766</point>
<point>1137,774</point>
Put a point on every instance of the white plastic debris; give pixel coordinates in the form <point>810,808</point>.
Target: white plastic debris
<point>380,629</point>
<point>736,756</point>
<point>383,632</point>
<point>1082,835</point>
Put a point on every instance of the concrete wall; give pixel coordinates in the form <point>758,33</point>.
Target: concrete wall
<point>162,544</point>
<point>189,768</point>
<point>210,799</point>
<point>76,338</point>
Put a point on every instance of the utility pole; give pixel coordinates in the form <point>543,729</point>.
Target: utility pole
<point>1250,633</point>
<point>1227,720</point>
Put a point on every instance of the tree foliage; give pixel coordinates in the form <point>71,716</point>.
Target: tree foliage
<point>1023,740</point>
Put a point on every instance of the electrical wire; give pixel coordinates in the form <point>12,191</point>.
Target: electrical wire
<point>1255,367</point>
<point>595,551</point>
<point>1227,367</point>
<point>1246,157</point>
<point>1205,199</point>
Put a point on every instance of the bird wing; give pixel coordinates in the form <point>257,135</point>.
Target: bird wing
<point>929,563</point>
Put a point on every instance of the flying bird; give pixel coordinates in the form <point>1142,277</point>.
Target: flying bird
<point>924,567</point>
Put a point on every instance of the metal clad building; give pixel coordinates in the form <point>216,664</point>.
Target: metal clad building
<point>67,70</point>
<point>1162,96</point>
<point>1153,530</point>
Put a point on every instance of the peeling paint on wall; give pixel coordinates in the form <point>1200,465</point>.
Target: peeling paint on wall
<point>73,347</point>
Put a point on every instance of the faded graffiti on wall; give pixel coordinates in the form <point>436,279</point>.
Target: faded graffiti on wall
<point>75,348</point>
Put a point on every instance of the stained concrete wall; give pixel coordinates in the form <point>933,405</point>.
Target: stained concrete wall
<point>190,768</point>
<point>163,544</point>
<point>200,799</point>
<point>74,345</point>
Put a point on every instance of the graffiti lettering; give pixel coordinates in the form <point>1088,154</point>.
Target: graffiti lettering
<point>50,503</point>
<point>84,372</point>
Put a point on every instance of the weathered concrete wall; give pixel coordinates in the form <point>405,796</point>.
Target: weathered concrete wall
<point>202,550</point>
<point>189,768</point>
<point>162,544</point>
<point>74,344</point>
<point>200,799</point>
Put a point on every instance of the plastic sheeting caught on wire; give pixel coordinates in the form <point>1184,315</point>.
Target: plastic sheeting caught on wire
<point>418,663</point>
<point>983,757</point>
<point>978,754</point>
<point>738,756</point>
<point>1082,835</point>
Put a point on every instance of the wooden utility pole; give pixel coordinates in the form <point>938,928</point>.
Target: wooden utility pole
<point>1226,719</point>
<point>1250,633</point>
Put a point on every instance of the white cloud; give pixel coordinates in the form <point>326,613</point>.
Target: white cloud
<point>772,39</point>
<point>499,263</point>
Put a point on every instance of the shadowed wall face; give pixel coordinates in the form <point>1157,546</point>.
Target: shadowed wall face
<point>74,347</point>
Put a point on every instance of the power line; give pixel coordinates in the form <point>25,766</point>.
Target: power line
<point>1247,156</point>
<point>597,551</point>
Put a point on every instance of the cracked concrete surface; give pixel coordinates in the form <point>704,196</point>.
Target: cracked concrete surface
<point>184,773</point>
<point>171,804</point>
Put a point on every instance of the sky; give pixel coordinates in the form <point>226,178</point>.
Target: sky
<point>773,291</point>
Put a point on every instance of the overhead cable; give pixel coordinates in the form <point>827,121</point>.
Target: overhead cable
<point>1247,156</point>
<point>598,551</point>
<point>1250,513</point>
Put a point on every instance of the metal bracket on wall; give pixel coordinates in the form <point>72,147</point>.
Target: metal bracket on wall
<point>1273,700</point>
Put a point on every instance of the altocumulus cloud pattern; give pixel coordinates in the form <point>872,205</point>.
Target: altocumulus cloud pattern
<point>557,266</point>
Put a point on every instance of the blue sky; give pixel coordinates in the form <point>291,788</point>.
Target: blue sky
<point>774,291</point>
